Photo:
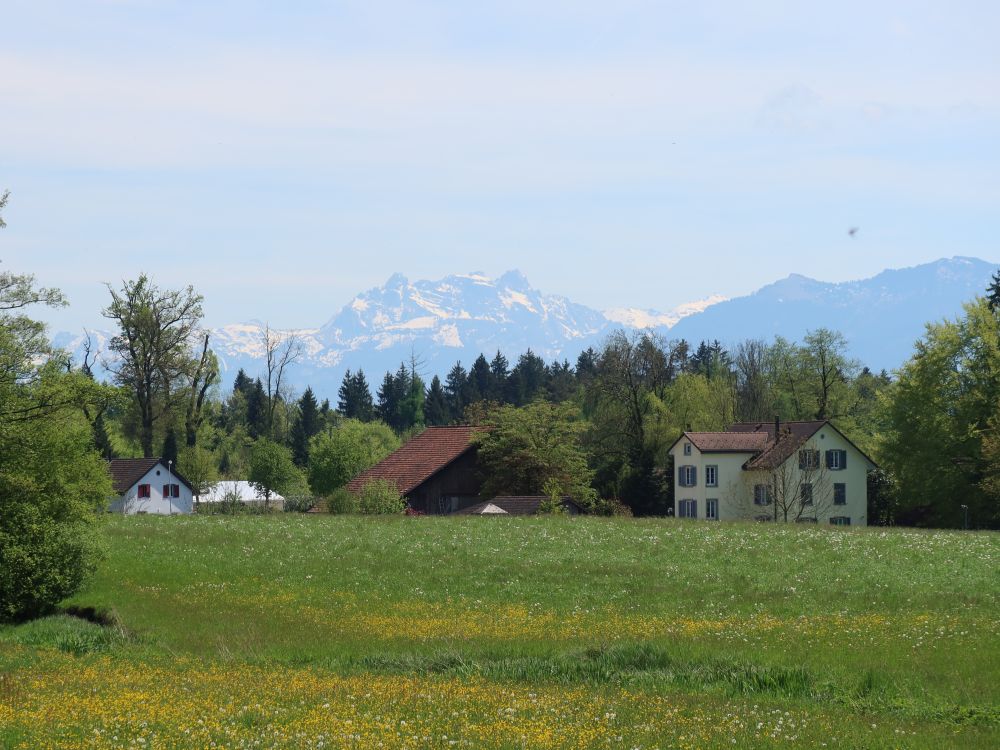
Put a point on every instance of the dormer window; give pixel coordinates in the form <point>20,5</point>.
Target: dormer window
<point>687,449</point>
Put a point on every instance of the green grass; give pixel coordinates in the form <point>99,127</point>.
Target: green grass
<point>872,626</point>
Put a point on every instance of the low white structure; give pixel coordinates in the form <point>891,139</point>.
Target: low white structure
<point>804,472</point>
<point>148,485</point>
<point>242,490</point>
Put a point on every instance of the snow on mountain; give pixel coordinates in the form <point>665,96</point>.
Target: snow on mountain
<point>881,317</point>
<point>437,323</point>
<point>634,317</point>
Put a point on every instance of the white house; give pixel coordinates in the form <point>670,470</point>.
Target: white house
<point>807,472</point>
<point>149,485</point>
<point>242,491</point>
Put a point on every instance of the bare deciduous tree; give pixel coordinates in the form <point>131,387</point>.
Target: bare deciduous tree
<point>280,351</point>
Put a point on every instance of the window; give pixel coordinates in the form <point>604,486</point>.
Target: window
<point>143,490</point>
<point>805,519</point>
<point>840,520</point>
<point>808,459</point>
<point>687,476</point>
<point>807,493</point>
<point>688,509</point>
<point>836,460</point>
<point>761,494</point>
<point>687,449</point>
<point>711,476</point>
<point>712,509</point>
<point>840,494</point>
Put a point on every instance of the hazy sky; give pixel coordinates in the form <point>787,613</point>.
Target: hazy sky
<point>283,156</point>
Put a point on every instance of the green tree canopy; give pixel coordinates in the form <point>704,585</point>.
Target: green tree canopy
<point>940,419</point>
<point>272,469</point>
<point>339,454</point>
<point>534,450</point>
<point>51,477</point>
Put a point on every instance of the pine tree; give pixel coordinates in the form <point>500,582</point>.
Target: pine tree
<point>355,398</point>
<point>101,439</point>
<point>500,374</point>
<point>562,382</point>
<point>456,389</point>
<point>993,293</point>
<point>529,378</point>
<point>435,404</point>
<point>586,365</point>
<point>306,425</point>
<point>365,406</point>
<point>391,398</point>
<point>480,380</point>
<point>169,452</point>
<point>257,410</point>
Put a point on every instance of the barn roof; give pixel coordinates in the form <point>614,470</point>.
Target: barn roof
<point>419,458</point>
<point>125,472</point>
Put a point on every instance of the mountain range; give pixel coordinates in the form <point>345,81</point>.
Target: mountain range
<point>437,323</point>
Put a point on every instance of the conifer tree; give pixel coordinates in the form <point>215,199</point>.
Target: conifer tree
<point>480,380</point>
<point>500,374</point>
<point>306,425</point>
<point>456,389</point>
<point>169,452</point>
<point>435,404</point>
<point>101,439</point>
<point>257,410</point>
<point>528,378</point>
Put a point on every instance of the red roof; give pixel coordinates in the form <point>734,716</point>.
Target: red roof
<point>728,442</point>
<point>758,438</point>
<point>127,471</point>
<point>420,458</point>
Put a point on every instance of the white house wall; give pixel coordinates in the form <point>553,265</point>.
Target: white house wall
<point>130,503</point>
<point>735,490</point>
<point>730,474</point>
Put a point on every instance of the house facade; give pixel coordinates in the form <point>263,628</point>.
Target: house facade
<point>148,485</point>
<point>804,472</point>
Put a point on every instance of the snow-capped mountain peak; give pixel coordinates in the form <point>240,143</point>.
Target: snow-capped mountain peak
<point>634,317</point>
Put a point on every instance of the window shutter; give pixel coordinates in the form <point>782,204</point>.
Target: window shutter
<point>802,460</point>
<point>843,459</point>
<point>829,459</point>
<point>166,490</point>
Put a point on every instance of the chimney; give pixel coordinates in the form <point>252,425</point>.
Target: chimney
<point>777,428</point>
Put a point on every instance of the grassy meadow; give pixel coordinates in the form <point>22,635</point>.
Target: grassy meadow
<point>325,631</point>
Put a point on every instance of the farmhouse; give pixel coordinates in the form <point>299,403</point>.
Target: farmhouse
<point>148,485</point>
<point>435,471</point>
<point>806,472</point>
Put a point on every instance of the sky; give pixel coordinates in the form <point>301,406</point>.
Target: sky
<point>282,157</point>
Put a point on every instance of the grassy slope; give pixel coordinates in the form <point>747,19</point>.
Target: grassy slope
<point>901,624</point>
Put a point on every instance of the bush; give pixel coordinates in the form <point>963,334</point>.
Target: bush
<point>342,502</point>
<point>42,561</point>
<point>299,503</point>
<point>380,497</point>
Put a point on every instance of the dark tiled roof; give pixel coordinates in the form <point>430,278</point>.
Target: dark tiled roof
<point>514,505</point>
<point>793,436</point>
<point>728,442</point>
<point>419,459</point>
<point>127,471</point>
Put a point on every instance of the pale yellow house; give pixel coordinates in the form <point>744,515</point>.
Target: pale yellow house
<point>805,472</point>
